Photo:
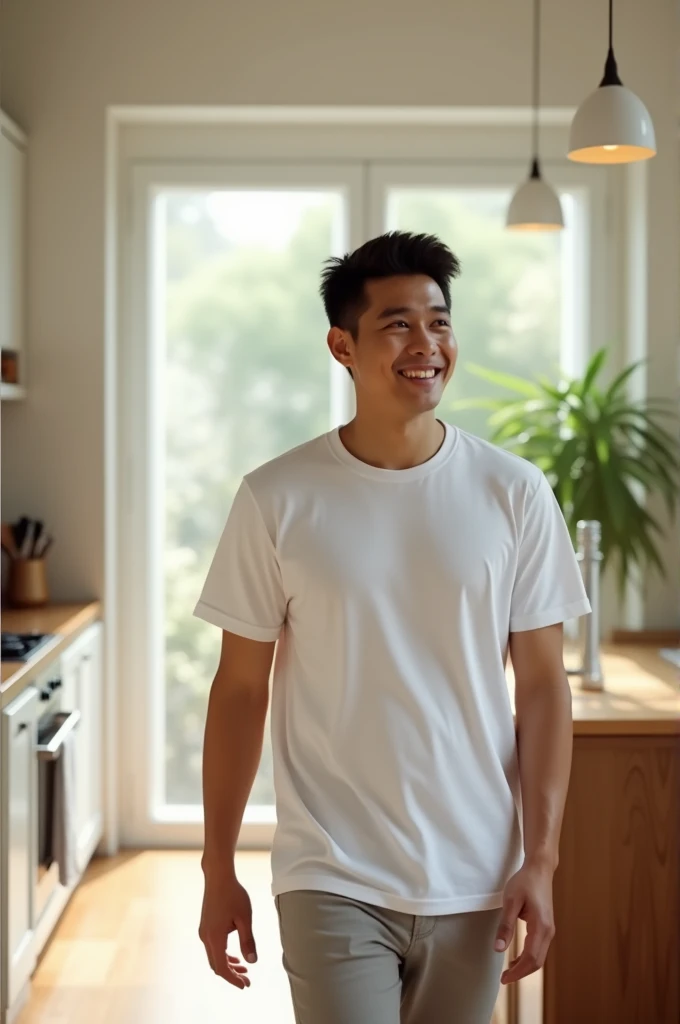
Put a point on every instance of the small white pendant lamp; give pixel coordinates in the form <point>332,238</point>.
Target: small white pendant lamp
<point>612,126</point>
<point>535,205</point>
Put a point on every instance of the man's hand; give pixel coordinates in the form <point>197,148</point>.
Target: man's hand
<point>528,895</point>
<point>227,908</point>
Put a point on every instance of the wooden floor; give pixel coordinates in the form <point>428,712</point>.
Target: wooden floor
<point>127,950</point>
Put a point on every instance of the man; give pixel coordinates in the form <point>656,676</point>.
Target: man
<point>396,561</point>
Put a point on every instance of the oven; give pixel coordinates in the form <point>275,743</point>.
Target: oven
<point>55,723</point>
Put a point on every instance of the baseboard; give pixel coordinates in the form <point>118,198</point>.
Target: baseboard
<point>647,637</point>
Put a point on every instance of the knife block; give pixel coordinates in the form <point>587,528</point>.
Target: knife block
<point>27,583</point>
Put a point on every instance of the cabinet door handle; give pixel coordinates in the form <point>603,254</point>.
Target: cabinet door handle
<point>21,727</point>
<point>66,723</point>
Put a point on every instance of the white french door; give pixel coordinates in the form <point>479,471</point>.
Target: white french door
<point>223,365</point>
<point>225,368</point>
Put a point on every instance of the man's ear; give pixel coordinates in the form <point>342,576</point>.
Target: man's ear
<point>339,345</point>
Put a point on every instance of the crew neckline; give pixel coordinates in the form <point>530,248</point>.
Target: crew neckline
<point>397,475</point>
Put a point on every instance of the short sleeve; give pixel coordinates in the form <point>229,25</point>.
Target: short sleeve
<point>243,592</point>
<point>548,586</point>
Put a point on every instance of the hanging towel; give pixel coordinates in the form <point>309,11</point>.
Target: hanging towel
<point>64,836</point>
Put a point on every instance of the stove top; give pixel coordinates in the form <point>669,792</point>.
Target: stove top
<point>22,646</point>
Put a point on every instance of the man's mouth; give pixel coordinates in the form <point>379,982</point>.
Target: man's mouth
<point>421,373</point>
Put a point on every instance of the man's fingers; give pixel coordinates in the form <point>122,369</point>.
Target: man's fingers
<point>532,957</point>
<point>246,940</point>
<point>225,966</point>
<point>229,971</point>
<point>506,929</point>
<point>525,964</point>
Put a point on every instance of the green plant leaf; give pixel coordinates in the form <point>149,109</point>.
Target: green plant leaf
<point>652,552</point>
<point>638,411</point>
<point>602,452</point>
<point>520,411</point>
<point>592,370</point>
<point>651,477</point>
<point>656,442</point>
<point>559,392</point>
<point>622,378</point>
<point>505,380</point>
<point>602,447</point>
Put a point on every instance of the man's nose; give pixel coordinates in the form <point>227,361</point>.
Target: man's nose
<point>422,342</point>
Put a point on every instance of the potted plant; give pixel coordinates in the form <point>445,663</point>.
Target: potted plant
<point>601,451</point>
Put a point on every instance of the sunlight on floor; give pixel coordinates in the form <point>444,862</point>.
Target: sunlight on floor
<point>127,950</point>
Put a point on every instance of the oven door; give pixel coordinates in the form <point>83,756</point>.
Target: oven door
<point>53,728</point>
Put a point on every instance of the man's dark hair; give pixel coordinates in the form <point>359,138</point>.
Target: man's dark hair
<point>344,278</point>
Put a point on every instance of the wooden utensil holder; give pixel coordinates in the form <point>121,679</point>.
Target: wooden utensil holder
<point>27,584</point>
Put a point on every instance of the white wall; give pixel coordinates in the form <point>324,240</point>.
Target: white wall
<point>65,62</point>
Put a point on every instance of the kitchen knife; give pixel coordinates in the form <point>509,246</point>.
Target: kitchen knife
<point>43,546</point>
<point>19,530</point>
<point>50,542</point>
<point>38,528</point>
<point>26,546</point>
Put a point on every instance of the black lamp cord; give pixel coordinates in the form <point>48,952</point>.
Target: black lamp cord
<point>535,98</point>
<point>611,72</point>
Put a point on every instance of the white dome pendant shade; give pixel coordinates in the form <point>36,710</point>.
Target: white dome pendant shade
<point>535,205</point>
<point>612,125</point>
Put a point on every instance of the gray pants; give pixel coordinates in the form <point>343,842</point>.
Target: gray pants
<point>352,963</point>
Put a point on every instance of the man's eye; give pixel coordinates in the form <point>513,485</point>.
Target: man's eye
<point>443,323</point>
<point>398,323</point>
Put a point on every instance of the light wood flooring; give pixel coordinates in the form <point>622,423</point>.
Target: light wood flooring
<point>127,950</point>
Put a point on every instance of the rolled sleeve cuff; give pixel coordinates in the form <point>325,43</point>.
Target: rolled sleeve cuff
<point>522,623</point>
<point>265,634</point>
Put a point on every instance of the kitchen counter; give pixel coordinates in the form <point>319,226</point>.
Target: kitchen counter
<point>66,621</point>
<point>641,695</point>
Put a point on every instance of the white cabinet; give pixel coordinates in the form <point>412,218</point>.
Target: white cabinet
<point>82,681</point>
<point>12,248</point>
<point>19,815</point>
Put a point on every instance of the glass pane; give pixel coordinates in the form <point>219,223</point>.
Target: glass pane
<point>245,376</point>
<point>508,305</point>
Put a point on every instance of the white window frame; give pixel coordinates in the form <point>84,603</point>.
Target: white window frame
<point>145,149</point>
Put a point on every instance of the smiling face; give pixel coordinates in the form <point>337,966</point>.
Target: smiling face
<point>404,353</point>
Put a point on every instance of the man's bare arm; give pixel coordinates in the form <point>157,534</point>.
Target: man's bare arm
<point>234,734</point>
<point>544,739</point>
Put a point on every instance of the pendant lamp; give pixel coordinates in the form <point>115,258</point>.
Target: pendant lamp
<point>612,126</point>
<point>535,205</point>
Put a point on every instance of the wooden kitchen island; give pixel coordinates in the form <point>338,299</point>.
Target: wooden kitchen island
<point>616,955</point>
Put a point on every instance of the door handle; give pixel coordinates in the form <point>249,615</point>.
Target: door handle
<point>21,727</point>
<point>50,751</point>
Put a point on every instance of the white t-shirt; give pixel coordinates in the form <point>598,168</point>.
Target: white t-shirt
<point>393,593</point>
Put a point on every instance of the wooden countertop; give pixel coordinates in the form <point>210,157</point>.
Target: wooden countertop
<point>641,695</point>
<point>66,621</point>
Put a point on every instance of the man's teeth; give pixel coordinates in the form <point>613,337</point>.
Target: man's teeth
<point>418,373</point>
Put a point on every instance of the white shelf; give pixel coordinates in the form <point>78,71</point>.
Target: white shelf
<point>12,392</point>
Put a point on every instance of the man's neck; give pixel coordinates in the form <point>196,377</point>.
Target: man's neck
<point>393,445</point>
